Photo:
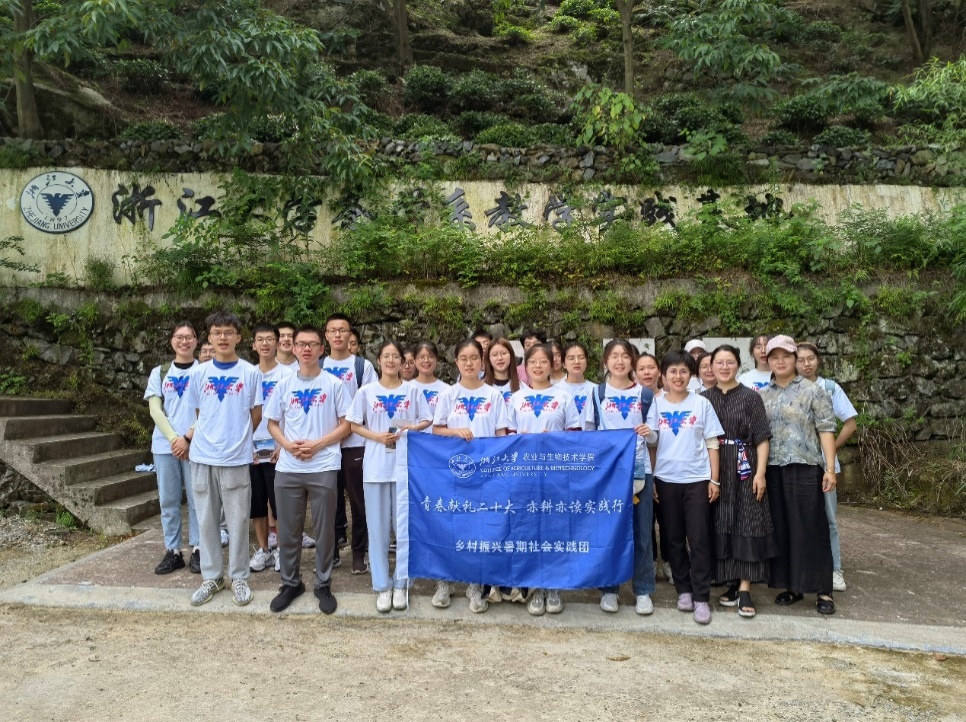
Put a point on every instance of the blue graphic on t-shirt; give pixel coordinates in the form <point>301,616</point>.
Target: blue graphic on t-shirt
<point>267,387</point>
<point>179,383</point>
<point>759,384</point>
<point>538,402</point>
<point>338,371</point>
<point>306,397</point>
<point>624,404</point>
<point>579,402</point>
<point>430,396</point>
<point>675,419</point>
<point>222,385</point>
<point>506,396</point>
<point>391,403</point>
<point>471,404</point>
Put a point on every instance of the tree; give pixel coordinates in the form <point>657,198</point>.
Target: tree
<point>920,39</point>
<point>399,20</point>
<point>28,117</point>
<point>626,9</point>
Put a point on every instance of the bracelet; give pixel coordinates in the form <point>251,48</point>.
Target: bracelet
<point>716,483</point>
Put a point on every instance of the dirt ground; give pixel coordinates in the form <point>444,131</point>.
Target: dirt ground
<point>87,665</point>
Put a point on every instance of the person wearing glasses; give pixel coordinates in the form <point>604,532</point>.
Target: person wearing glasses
<point>306,417</point>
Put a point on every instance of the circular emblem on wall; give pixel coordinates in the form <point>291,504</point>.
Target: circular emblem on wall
<point>57,202</point>
<point>462,466</point>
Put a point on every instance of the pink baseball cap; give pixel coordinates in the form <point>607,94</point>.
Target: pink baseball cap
<point>785,343</point>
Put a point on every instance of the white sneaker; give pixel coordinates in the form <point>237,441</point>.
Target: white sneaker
<point>554,602</point>
<point>478,604</point>
<point>644,605</point>
<point>241,592</point>
<point>277,562</point>
<point>667,572</point>
<point>536,605</point>
<point>224,538</point>
<point>384,601</point>
<point>838,581</point>
<point>206,591</point>
<point>260,559</point>
<point>272,540</point>
<point>307,541</point>
<point>609,603</point>
<point>495,595</point>
<point>441,599</point>
<point>400,599</point>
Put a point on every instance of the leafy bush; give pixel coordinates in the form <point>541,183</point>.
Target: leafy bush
<point>473,122</point>
<point>839,136</point>
<point>152,130</point>
<point>780,137</point>
<point>553,134</point>
<point>371,86</point>
<point>822,30</point>
<point>417,126</point>
<point>513,34</point>
<point>605,117</point>
<point>578,8</point>
<point>142,76</point>
<point>99,273</point>
<point>427,88</point>
<point>564,23</point>
<point>21,155</point>
<point>803,113</point>
<point>273,128</point>
<point>508,135</point>
<point>935,102</point>
<point>477,90</point>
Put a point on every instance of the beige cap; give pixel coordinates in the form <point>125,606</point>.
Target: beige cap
<point>785,343</point>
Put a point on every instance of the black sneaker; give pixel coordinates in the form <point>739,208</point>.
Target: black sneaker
<point>327,603</point>
<point>286,595</point>
<point>194,562</point>
<point>172,562</point>
<point>342,542</point>
<point>336,560</point>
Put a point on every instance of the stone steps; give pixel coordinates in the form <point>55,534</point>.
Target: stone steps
<point>86,471</point>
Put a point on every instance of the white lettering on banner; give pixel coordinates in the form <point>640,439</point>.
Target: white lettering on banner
<point>544,506</point>
<point>520,546</point>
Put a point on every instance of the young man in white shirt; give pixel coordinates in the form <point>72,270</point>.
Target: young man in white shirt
<point>226,392</point>
<point>285,353</point>
<point>354,372</point>
<point>313,405</point>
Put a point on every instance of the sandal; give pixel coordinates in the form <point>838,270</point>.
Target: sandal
<point>787,598</point>
<point>730,597</point>
<point>825,605</point>
<point>746,608</point>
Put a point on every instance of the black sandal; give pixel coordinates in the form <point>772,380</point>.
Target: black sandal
<point>730,597</point>
<point>746,608</point>
<point>787,598</point>
<point>825,605</point>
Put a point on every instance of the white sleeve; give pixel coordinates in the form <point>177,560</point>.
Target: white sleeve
<point>511,416</point>
<point>571,416</point>
<point>255,397</point>
<point>443,403</point>
<point>841,406</point>
<point>357,409</point>
<point>368,373</point>
<point>341,399</point>
<point>423,411</point>
<point>502,422</point>
<point>194,386</point>
<point>154,384</point>
<point>651,421</point>
<point>274,408</point>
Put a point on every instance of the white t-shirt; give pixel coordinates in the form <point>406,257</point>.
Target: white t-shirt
<point>309,408</point>
<point>224,398</point>
<point>346,370</point>
<point>482,410</point>
<point>755,379</point>
<point>293,364</point>
<point>841,407</point>
<point>431,393</point>
<point>621,409</point>
<point>583,396</point>
<point>682,454</point>
<point>694,384</point>
<point>378,409</point>
<point>533,412</point>
<point>269,382</point>
<point>180,413</point>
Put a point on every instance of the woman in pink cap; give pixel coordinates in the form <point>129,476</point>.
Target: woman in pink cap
<point>801,468</point>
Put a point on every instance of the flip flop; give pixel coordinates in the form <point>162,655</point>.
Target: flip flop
<point>825,606</point>
<point>746,608</point>
<point>788,598</point>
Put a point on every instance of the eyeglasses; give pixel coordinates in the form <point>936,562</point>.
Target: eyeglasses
<point>265,339</point>
<point>339,331</point>
<point>183,339</point>
<point>307,344</point>
<point>221,334</point>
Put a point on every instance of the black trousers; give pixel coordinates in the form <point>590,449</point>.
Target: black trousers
<point>350,480</point>
<point>686,522</point>
<point>263,490</point>
<point>658,526</point>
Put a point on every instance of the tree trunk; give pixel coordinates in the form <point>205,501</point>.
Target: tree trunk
<point>624,7</point>
<point>925,27</point>
<point>911,32</point>
<point>28,117</point>
<point>399,19</point>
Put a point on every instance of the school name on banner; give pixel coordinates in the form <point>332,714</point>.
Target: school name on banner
<point>533,510</point>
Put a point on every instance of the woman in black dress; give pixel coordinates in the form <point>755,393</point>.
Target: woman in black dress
<point>744,538</point>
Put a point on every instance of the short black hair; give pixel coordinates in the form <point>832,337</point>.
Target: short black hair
<point>678,358</point>
<point>534,333</point>
<point>286,324</point>
<point>727,348</point>
<point>184,324</point>
<point>485,334</point>
<point>223,318</point>
<point>309,328</point>
<point>265,327</point>
<point>338,317</point>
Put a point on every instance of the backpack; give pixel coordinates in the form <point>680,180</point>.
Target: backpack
<point>647,397</point>
<point>829,387</point>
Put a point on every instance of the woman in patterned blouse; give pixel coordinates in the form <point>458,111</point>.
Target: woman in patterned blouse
<point>801,467</point>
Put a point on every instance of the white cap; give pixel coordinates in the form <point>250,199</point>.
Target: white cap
<point>693,344</point>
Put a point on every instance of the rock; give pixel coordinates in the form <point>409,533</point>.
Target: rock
<point>587,161</point>
<point>588,174</point>
<point>666,157</point>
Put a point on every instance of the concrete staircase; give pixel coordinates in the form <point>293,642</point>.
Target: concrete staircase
<point>84,470</point>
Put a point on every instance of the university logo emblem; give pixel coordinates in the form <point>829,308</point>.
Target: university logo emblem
<point>391,403</point>
<point>538,403</point>
<point>306,398</point>
<point>462,466</point>
<point>57,202</point>
<point>179,384</point>
<point>472,404</point>
<point>677,420</point>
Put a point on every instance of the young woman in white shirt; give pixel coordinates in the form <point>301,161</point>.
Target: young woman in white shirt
<point>622,408</point>
<point>558,373</point>
<point>576,383</point>
<point>500,369</point>
<point>535,410</point>
<point>427,360</point>
<point>761,375</point>
<point>469,409</point>
<point>380,412</point>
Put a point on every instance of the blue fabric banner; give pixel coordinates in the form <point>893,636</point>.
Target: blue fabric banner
<point>547,510</point>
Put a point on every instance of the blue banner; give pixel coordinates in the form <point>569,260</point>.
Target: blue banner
<point>547,510</point>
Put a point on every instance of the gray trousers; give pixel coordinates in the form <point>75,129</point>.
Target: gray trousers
<point>292,491</point>
<point>219,489</point>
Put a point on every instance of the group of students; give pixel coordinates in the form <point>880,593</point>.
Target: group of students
<point>738,474</point>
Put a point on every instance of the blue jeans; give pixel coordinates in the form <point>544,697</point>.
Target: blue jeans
<point>174,475</point>
<point>831,506</point>
<point>643,581</point>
